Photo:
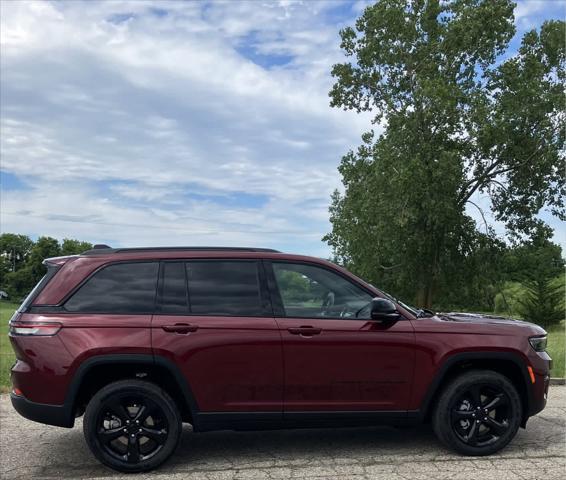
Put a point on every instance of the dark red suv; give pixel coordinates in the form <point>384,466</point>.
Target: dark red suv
<point>141,340</point>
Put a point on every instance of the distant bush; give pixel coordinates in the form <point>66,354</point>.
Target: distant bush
<point>543,302</point>
<point>507,300</point>
<point>540,302</point>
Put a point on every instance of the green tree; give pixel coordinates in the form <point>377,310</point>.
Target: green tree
<point>543,302</point>
<point>457,119</point>
<point>14,250</point>
<point>74,247</point>
<point>44,247</point>
<point>536,259</point>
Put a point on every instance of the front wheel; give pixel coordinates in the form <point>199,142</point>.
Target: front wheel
<point>132,426</point>
<point>478,413</point>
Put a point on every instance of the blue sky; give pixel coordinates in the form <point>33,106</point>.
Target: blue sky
<point>179,123</point>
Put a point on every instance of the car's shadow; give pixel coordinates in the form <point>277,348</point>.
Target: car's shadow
<point>259,449</point>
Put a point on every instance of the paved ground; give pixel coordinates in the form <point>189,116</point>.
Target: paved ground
<point>30,450</point>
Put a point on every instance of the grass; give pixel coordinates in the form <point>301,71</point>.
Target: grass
<point>556,346</point>
<point>7,357</point>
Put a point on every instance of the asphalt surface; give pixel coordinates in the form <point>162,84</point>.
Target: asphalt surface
<point>31,450</point>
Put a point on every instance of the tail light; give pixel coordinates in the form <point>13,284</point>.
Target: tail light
<point>41,329</point>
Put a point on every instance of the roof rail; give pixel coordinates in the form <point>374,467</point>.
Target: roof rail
<point>105,249</point>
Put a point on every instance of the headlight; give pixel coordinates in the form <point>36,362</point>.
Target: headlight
<point>538,343</point>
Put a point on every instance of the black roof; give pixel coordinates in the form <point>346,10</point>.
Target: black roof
<point>105,249</point>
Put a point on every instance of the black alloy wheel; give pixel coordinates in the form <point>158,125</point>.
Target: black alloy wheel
<point>478,413</point>
<point>132,429</point>
<point>132,425</point>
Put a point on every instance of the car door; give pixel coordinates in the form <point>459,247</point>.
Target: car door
<point>336,358</point>
<point>220,332</point>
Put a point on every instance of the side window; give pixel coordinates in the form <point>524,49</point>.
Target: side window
<point>118,288</point>
<point>174,296</point>
<point>310,291</point>
<point>224,288</point>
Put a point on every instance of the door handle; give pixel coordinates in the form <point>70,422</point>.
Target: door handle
<point>180,328</point>
<point>304,331</point>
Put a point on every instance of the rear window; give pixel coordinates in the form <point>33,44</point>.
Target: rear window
<point>118,288</point>
<point>224,288</point>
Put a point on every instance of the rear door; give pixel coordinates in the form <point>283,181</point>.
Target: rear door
<point>216,324</point>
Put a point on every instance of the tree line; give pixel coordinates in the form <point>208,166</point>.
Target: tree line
<point>524,280</point>
<point>21,260</point>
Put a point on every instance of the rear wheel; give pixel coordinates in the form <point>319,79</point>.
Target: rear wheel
<point>132,426</point>
<point>478,413</point>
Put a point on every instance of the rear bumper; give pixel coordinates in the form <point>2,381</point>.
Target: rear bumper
<point>58,415</point>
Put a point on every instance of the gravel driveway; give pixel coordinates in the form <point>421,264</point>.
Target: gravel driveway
<point>31,450</point>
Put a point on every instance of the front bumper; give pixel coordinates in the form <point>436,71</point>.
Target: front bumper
<point>57,415</point>
<point>541,364</point>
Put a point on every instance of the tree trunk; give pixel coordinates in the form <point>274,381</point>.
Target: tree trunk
<point>425,293</point>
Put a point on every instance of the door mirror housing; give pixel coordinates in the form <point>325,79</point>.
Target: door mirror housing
<point>384,310</point>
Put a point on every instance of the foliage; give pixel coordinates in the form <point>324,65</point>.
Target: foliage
<point>506,301</point>
<point>538,268</point>
<point>14,250</point>
<point>457,120</point>
<point>543,303</point>
<point>27,257</point>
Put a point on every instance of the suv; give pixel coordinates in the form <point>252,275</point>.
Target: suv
<point>140,340</point>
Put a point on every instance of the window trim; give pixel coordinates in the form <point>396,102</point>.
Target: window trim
<point>61,305</point>
<point>277,300</point>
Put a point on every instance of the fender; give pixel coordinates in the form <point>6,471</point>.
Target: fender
<point>113,359</point>
<point>456,358</point>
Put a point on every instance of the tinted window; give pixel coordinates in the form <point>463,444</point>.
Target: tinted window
<point>119,288</point>
<point>309,291</point>
<point>224,288</point>
<point>174,293</point>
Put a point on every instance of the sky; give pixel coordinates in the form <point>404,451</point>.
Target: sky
<point>140,123</point>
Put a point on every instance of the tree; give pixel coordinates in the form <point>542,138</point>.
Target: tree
<point>74,247</point>
<point>14,250</point>
<point>28,257</point>
<point>44,247</point>
<point>544,302</point>
<point>536,259</point>
<point>457,119</point>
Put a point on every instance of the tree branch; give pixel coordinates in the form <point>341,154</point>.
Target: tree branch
<point>482,216</point>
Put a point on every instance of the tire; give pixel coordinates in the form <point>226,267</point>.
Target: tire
<point>132,426</point>
<point>462,426</point>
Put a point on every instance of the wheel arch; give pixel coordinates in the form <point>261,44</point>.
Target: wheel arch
<point>103,369</point>
<point>508,364</point>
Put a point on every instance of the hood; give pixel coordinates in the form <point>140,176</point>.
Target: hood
<point>480,318</point>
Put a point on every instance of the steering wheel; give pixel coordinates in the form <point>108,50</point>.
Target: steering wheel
<point>328,302</point>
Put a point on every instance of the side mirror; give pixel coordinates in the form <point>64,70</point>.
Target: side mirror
<point>383,310</point>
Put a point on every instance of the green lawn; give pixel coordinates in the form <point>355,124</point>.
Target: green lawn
<point>556,346</point>
<point>556,341</point>
<point>6,353</point>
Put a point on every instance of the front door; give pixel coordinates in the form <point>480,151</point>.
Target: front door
<point>335,357</point>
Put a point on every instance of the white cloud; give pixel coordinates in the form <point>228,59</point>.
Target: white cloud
<point>160,98</point>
